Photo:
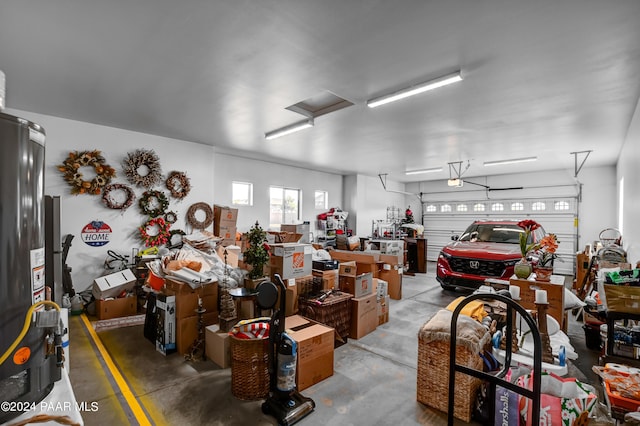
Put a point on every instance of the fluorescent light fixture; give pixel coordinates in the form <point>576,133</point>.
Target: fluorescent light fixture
<point>455,182</point>
<point>512,161</point>
<point>417,172</point>
<point>414,90</point>
<point>289,129</point>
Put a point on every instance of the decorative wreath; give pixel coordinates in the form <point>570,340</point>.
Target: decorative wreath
<point>156,239</point>
<point>111,203</point>
<point>133,163</point>
<point>171,217</point>
<point>161,203</point>
<point>73,176</point>
<point>172,233</point>
<point>191,215</point>
<point>179,184</point>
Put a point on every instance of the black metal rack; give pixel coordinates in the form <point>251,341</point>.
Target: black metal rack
<point>496,379</point>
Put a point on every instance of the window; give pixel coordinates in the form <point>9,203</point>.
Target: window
<point>445,208</point>
<point>561,205</point>
<point>242,193</point>
<point>478,207</point>
<point>461,207</point>
<point>284,205</point>
<point>538,206</point>
<point>431,208</point>
<point>517,207</point>
<point>497,207</point>
<point>322,198</point>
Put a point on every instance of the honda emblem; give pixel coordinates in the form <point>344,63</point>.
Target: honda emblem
<point>474,264</point>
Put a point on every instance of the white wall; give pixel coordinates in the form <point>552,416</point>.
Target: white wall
<point>629,169</point>
<point>371,201</point>
<point>262,174</point>
<point>64,136</point>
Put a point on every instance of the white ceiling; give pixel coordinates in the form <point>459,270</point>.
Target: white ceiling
<point>543,78</point>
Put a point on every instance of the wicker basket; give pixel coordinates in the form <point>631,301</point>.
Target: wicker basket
<point>433,369</point>
<point>249,368</point>
<point>334,311</point>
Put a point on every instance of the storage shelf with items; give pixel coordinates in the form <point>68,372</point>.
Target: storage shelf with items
<point>331,224</point>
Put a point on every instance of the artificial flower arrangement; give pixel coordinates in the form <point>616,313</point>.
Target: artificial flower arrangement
<point>526,245</point>
<point>544,250</point>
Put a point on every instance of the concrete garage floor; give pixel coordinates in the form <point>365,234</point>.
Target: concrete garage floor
<point>374,379</point>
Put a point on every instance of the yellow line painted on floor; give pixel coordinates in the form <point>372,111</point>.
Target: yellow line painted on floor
<point>135,407</point>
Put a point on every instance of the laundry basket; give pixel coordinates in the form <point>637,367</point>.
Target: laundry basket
<point>433,362</point>
<point>249,368</point>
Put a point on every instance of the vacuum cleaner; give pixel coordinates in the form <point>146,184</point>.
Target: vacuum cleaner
<point>284,402</point>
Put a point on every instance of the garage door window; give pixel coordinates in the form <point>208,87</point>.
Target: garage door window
<point>538,206</point>
<point>497,207</point>
<point>561,205</point>
<point>461,207</point>
<point>478,207</point>
<point>431,208</point>
<point>445,208</point>
<point>517,207</point>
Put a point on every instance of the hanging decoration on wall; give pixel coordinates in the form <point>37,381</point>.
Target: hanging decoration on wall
<point>153,203</point>
<point>178,184</point>
<point>191,215</point>
<point>172,239</point>
<point>96,233</point>
<point>142,168</point>
<point>72,167</point>
<point>155,232</point>
<point>112,202</point>
<point>171,217</point>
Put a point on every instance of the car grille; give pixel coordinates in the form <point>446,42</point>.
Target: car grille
<point>486,268</point>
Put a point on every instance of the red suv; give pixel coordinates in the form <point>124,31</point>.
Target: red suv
<point>486,249</point>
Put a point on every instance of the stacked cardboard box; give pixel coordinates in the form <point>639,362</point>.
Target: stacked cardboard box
<point>315,350</point>
<point>381,289</point>
<point>224,224</point>
<point>217,347</point>
<point>113,294</point>
<point>364,317</point>
<point>290,260</point>
<point>187,302</point>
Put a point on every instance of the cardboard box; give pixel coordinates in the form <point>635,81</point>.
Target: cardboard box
<point>166,322</point>
<point>116,308</point>
<point>224,217</point>
<point>359,286</point>
<point>364,316</point>
<point>393,277</point>
<point>380,288</point>
<point>348,268</point>
<point>187,297</point>
<point>383,309</point>
<point>218,347</point>
<point>228,235</point>
<point>290,260</point>
<point>187,330</point>
<point>113,284</point>
<point>329,278</point>
<point>365,261</point>
<point>315,350</point>
<point>284,237</point>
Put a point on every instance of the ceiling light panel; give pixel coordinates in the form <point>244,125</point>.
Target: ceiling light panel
<point>289,129</point>
<point>510,161</point>
<point>415,90</point>
<point>418,172</point>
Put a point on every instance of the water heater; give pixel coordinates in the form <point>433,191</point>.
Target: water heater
<point>29,371</point>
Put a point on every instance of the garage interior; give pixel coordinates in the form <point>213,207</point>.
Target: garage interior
<point>540,122</point>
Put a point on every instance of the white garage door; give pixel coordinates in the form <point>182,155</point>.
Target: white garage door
<point>557,215</point>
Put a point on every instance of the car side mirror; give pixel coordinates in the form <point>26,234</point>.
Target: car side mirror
<point>455,237</point>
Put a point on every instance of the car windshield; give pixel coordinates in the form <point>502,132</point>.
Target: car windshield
<point>493,232</point>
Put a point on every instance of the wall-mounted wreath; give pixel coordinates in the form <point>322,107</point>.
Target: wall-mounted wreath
<point>155,232</point>
<point>172,233</point>
<point>142,168</point>
<point>194,222</point>
<point>153,203</point>
<point>111,202</point>
<point>171,217</point>
<point>72,174</point>
<point>178,184</point>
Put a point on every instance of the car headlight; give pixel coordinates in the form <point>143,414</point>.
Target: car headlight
<point>444,255</point>
<point>511,262</point>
